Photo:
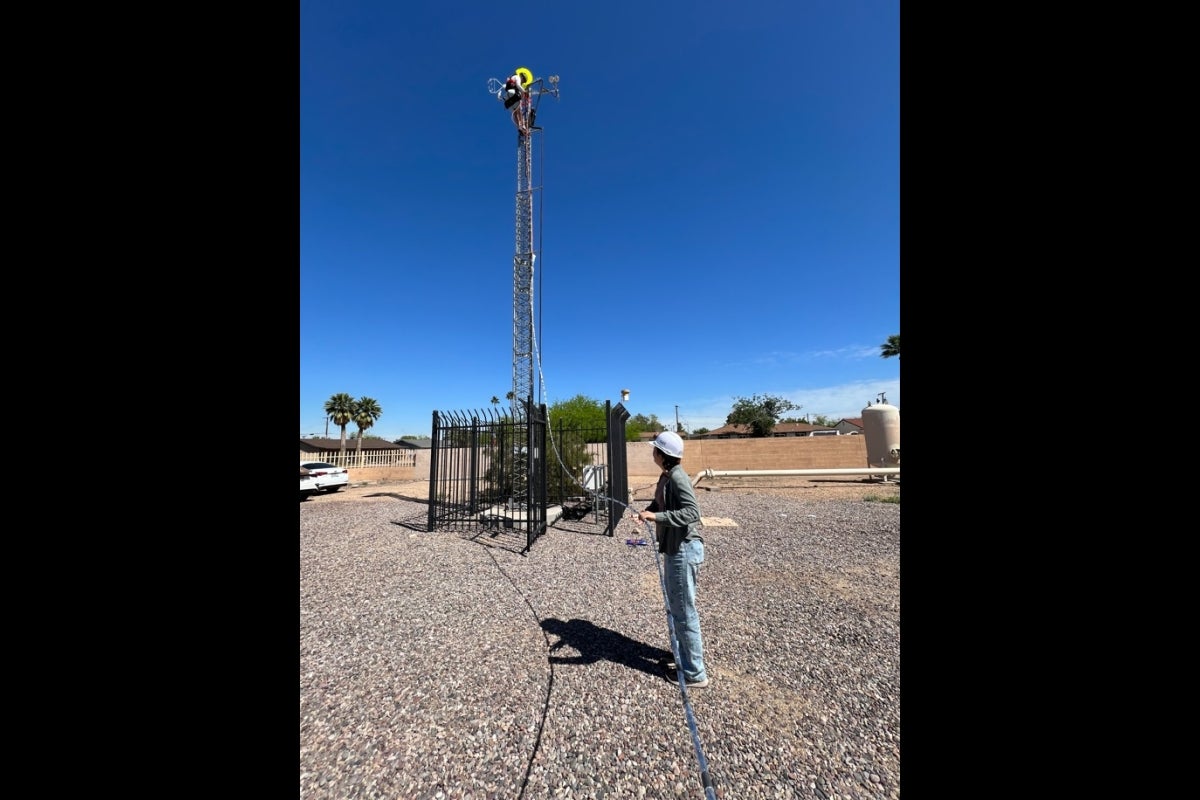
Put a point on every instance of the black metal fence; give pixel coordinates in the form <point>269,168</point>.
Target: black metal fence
<point>488,470</point>
<point>618,464</point>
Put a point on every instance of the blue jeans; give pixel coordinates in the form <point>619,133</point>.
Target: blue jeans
<point>680,572</point>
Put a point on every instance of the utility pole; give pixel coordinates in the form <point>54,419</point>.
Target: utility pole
<point>677,418</point>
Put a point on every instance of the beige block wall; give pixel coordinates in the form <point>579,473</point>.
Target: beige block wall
<point>784,452</point>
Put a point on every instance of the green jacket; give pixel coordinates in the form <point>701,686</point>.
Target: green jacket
<point>679,519</point>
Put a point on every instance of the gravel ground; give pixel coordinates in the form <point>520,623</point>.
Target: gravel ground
<point>450,665</point>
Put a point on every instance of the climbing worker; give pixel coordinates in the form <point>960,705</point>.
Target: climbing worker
<point>516,95</point>
<point>513,91</point>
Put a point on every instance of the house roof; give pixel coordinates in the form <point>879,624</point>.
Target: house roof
<point>780,429</point>
<point>330,445</point>
<point>785,428</point>
<point>855,421</point>
<point>726,430</point>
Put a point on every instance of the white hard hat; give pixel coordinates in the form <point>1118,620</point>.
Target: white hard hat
<point>669,443</point>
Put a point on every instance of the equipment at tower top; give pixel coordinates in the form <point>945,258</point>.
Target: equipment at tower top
<point>520,94</point>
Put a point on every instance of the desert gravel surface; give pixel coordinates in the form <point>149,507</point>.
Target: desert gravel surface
<point>449,664</point>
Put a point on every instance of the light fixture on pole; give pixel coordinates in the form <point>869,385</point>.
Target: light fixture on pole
<point>624,395</point>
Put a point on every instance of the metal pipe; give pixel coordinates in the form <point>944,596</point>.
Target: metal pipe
<point>742,473</point>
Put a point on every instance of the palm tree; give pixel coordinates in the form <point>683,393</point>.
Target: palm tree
<point>366,412</point>
<point>340,409</point>
<point>495,401</point>
<point>891,347</point>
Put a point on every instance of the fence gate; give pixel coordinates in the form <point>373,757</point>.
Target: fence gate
<point>618,465</point>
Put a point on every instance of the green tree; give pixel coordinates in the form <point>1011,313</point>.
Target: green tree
<point>340,408</point>
<point>639,423</point>
<point>366,413</point>
<point>891,347</point>
<point>584,415</point>
<point>760,412</point>
<point>700,431</point>
<point>579,412</point>
<point>650,423</point>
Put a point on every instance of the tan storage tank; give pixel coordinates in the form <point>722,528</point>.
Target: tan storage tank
<point>881,426</point>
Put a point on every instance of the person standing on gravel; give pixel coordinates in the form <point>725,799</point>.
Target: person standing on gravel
<point>676,518</point>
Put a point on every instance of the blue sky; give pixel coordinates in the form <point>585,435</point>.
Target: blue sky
<point>719,213</point>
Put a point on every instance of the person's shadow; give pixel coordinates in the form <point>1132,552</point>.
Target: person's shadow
<point>595,643</point>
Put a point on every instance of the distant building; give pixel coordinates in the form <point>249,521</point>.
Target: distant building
<point>423,443</point>
<point>849,426</point>
<point>738,431</point>
<point>373,453</point>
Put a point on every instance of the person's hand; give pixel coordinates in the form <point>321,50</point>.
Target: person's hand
<point>646,516</point>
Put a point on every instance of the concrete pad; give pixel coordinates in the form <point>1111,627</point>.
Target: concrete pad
<point>515,518</point>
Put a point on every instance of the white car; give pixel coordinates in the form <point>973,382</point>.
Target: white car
<point>319,476</point>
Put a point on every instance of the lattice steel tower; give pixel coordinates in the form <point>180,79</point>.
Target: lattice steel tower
<point>522,100</point>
